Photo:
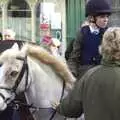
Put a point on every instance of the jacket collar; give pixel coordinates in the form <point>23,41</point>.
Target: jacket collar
<point>110,63</point>
<point>94,30</point>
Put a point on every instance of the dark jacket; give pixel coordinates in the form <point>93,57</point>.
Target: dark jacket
<point>85,51</point>
<point>69,49</point>
<point>97,94</point>
<point>1,37</point>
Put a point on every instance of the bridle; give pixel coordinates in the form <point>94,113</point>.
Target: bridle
<point>18,103</point>
<point>18,80</point>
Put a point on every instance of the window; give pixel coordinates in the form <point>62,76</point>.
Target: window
<point>18,8</point>
<point>19,19</point>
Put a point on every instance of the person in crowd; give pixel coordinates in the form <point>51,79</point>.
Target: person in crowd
<point>85,47</point>
<point>54,47</point>
<point>51,44</point>
<point>97,93</point>
<point>9,34</point>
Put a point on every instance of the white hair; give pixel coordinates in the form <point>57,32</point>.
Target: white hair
<point>9,32</point>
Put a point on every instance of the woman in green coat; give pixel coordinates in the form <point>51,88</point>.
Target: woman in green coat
<point>97,94</point>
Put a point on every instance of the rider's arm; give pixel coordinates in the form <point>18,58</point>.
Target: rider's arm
<point>71,106</point>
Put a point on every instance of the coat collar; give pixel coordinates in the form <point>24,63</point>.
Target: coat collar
<point>110,63</point>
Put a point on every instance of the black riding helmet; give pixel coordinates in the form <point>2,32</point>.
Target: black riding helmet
<point>98,7</point>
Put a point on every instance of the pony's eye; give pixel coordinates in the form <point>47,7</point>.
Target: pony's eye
<point>13,73</point>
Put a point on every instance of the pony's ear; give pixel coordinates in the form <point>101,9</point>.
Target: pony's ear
<point>15,46</point>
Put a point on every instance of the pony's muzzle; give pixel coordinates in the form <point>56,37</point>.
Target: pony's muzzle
<point>5,100</point>
<point>3,105</point>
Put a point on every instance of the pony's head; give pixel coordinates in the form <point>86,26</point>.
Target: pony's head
<point>12,69</point>
<point>14,77</point>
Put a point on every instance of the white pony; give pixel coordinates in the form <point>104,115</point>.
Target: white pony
<point>38,74</point>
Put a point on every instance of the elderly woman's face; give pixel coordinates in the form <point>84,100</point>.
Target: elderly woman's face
<point>8,37</point>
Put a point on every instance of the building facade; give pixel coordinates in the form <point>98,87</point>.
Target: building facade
<point>26,17</point>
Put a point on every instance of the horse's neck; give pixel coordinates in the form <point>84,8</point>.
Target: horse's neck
<point>45,85</point>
